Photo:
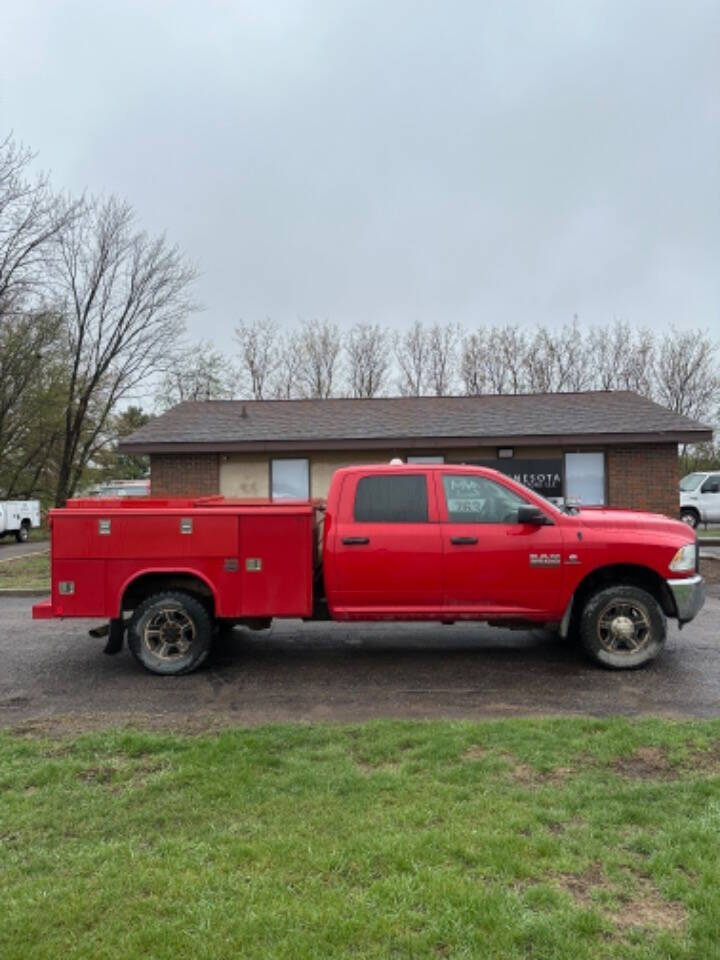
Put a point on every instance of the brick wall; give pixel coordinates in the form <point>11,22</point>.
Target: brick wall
<point>644,477</point>
<point>184,474</point>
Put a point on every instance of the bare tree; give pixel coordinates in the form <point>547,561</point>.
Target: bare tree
<point>285,383</point>
<point>609,348</point>
<point>30,218</point>
<point>319,347</point>
<point>686,374</point>
<point>472,366</point>
<point>571,359</point>
<point>539,362</point>
<point>198,372</point>
<point>125,299</point>
<point>367,348</point>
<point>557,360</point>
<point>411,354</point>
<point>621,358</point>
<point>638,370</point>
<point>505,360</point>
<point>259,356</point>
<point>443,341</point>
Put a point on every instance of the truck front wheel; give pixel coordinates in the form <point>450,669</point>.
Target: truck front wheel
<point>622,627</point>
<point>170,633</point>
<point>690,517</point>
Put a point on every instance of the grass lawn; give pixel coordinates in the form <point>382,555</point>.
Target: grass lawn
<point>31,571</point>
<point>39,535</point>
<point>554,838</point>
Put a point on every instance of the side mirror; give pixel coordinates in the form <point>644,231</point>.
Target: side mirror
<point>532,514</point>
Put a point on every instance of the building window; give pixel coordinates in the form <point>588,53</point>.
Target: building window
<point>391,499</point>
<point>290,479</point>
<point>585,479</point>
<point>424,459</point>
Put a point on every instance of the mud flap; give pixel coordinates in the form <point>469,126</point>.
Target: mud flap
<point>114,631</point>
<point>565,622</point>
<point>116,636</point>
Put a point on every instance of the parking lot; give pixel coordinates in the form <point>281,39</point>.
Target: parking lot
<point>55,675</point>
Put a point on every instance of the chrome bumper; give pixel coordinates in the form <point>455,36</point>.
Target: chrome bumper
<point>689,594</point>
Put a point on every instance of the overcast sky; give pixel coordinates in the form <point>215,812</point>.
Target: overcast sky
<point>391,161</point>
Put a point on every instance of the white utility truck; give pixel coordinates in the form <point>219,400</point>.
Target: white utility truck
<point>700,498</point>
<point>19,517</point>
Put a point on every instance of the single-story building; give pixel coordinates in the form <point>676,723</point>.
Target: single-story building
<point>598,447</point>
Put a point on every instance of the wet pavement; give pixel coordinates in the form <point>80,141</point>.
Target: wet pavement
<point>54,676</point>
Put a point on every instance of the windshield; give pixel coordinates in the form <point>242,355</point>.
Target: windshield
<point>691,481</point>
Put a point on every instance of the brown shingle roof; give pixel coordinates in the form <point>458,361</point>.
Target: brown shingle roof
<point>226,425</point>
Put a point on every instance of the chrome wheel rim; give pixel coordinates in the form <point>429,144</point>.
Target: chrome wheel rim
<point>624,627</point>
<point>169,634</point>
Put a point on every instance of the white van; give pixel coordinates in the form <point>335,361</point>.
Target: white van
<point>700,498</point>
<point>19,517</point>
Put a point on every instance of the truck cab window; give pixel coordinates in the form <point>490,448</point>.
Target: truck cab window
<point>473,499</point>
<point>391,499</point>
<point>711,485</point>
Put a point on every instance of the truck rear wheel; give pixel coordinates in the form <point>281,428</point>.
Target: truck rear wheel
<point>23,533</point>
<point>170,633</point>
<point>622,627</point>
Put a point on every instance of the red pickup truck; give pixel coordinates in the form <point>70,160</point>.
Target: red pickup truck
<point>392,542</point>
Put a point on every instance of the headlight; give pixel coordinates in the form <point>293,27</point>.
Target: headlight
<point>685,558</point>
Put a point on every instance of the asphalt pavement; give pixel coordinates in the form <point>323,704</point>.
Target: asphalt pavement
<point>55,677</point>
<point>11,548</point>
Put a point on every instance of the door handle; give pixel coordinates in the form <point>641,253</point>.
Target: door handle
<point>460,541</point>
<point>355,541</point>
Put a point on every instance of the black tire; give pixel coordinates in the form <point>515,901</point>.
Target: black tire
<point>22,535</point>
<point>622,627</point>
<point>690,517</point>
<point>170,633</point>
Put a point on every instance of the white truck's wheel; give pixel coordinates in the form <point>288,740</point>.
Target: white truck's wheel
<point>690,517</point>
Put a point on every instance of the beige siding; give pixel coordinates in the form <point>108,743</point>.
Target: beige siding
<point>248,475</point>
<point>244,475</point>
<point>324,464</point>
